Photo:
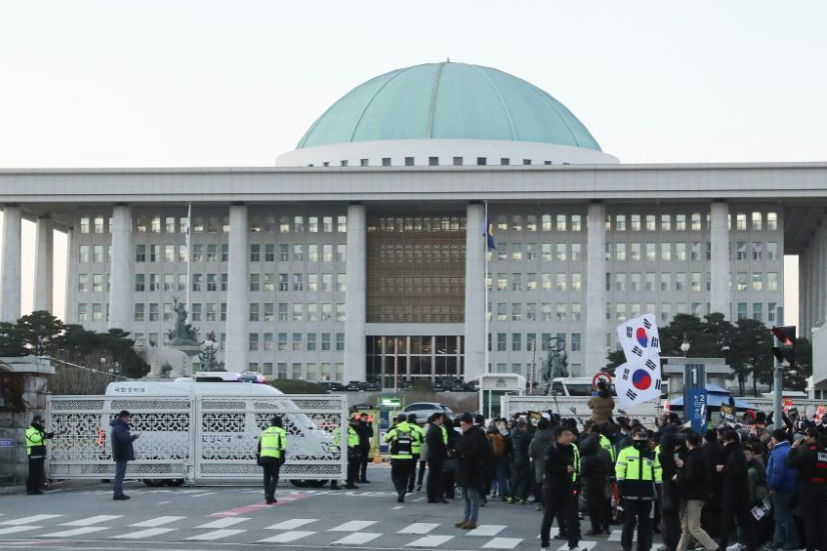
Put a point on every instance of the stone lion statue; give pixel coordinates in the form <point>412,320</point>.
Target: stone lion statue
<point>163,362</point>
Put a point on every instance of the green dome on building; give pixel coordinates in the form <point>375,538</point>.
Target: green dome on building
<point>448,101</point>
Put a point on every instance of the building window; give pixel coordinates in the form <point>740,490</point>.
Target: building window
<point>363,162</point>
<point>516,342</point>
<point>741,225</point>
<point>772,221</point>
<point>505,162</point>
<point>575,342</point>
<point>482,161</point>
<point>757,223</point>
<point>433,161</point>
<point>340,341</point>
<point>386,161</point>
<point>409,161</point>
<point>254,313</point>
<point>458,161</point>
<point>139,311</point>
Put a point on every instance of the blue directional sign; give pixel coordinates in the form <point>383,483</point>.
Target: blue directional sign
<point>696,407</point>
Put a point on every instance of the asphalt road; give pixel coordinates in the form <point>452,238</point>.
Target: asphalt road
<point>236,518</point>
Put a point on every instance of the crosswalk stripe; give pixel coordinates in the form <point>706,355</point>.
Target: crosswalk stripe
<point>503,543</point>
<point>29,520</point>
<point>75,532</point>
<point>429,541</point>
<point>616,535</point>
<point>357,538</point>
<point>91,520</point>
<point>224,522</point>
<point>157,521</point>
<point>141,534</point>
<point>287,537</point>
<point>292,524</point>
<point>584,545</point>
<point>353,526</point>
<point>15,529</point>
<point>418,528</point>
<point>486,530</point>
<point>216,535</point>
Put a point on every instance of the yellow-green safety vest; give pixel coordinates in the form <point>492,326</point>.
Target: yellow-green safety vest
<point>657,466</point>
<point>352,438</point>
<point>393,437</point>
<point>444,434</point>
<point>606,444</point>
<point>416,445</point>
<point>273,441</point>
<point>35,444</point>
<point>576,472</point>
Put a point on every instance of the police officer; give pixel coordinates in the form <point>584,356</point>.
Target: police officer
<point>272,454</point>
<point>416,449</point>
<point>353,454</point>
<point>36,437</point>
<point>401,438</point>
<point>636,479</point>
<point>809,456</point>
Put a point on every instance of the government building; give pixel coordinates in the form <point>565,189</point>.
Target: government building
<point>362,255</point>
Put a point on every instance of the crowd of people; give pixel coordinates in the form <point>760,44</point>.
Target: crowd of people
<point>752,483</point>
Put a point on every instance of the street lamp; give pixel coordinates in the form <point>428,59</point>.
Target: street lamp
<point>685,345</point>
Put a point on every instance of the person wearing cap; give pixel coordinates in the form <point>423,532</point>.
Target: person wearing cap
<point>809,456</point>
<point>122,451</point>
<point>636,479</point>
<point>401,438</point>
<point>36,437</point>
<point>735,505</point>
<point>354,458</point>
<point>272,445</point>
<point>416,450</point>
<point>782,481</point>
<point>560,486</point>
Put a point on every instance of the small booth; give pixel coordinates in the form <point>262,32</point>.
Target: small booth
<point>494,386</point>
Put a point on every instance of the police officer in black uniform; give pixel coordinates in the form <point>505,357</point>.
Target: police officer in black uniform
<point>809,456</point>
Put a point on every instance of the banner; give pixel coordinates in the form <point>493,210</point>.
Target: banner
<point>639,379</point>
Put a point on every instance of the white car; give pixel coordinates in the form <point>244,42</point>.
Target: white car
<point>423,410</point>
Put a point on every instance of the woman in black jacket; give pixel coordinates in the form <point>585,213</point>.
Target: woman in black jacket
<point>693,487</point>
<point>595,469</point>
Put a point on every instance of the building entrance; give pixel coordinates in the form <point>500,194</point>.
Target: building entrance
<point>405,359</point>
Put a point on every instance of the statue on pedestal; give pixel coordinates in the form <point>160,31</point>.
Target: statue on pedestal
<point>557,361</point>
<point>183,334</point>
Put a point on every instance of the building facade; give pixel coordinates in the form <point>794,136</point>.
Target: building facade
<point>362,256</point>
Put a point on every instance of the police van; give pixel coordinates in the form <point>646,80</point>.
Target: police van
<point>220,435</point>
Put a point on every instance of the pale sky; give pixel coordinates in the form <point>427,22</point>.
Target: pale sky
<point>206,83</point>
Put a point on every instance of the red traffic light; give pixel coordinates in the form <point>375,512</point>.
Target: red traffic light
<point>786,350</point>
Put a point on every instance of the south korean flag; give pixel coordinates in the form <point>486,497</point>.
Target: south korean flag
<point>638,381</point>
<point>639,337</point>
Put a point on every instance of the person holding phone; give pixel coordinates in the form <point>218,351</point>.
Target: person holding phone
<point>122,451</point>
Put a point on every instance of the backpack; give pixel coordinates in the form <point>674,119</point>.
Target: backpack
<point>500,446</point>
<point>403,444</point>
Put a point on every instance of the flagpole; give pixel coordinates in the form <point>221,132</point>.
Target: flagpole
<point>485,284</point>
<point>188,238</point>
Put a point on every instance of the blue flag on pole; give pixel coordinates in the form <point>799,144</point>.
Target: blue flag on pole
<point>489,234</point>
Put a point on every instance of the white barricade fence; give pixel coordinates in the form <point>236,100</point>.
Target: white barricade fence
<point>572,407</point>
<point>200,439</point>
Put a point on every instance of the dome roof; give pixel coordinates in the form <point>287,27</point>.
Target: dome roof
<point>451,101</point>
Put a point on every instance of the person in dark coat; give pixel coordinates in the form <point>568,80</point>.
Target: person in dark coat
<point>692,481</point>
<point>521,475</point>
<point>122,451</point>
<point>714,453</point>
<point>543,438</point>
<point>365,431</point>
<point>435,439</point>
<point>596,468</point>
<point>735,506</point>
<point>670,446</point>
<point>450,470</point>
<point>560,487</point>
<point>809,456</point>
<point>473,452</point>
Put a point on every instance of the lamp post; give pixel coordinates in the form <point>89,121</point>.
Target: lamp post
<point>685,345</point>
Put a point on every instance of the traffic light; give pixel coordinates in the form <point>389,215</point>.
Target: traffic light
<point>785,351</point>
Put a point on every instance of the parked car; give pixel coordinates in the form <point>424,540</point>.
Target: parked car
<point>355,386</point>
<point>439,385</point>
<point>331,386</point>
<point>423,410</point>
<point>370,387</point>
<point>472,386</point>
<point>457,385</point>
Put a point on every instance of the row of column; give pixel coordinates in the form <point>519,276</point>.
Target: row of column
<point>121,298</point>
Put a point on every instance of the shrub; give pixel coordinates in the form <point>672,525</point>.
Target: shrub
<point>292,386</point>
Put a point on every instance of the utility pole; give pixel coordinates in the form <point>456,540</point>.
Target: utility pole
<point>778,373</point>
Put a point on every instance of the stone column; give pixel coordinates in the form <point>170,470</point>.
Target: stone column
<point>10,282</point>
<point>356,299</point>
<point>70,298</point>
<point>595,345</point>
<point>475,307</point>
<point>238,281</point>
<point>44,265</point>
<point>120,293</point>
<point>719,266</point>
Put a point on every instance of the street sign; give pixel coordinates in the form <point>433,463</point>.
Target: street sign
<point>601,376</point>
<point>6,443</point>
<point>390,402</point>
<point>696,408</point>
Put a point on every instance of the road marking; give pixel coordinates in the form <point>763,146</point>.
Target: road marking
<point>141,534</point>
<point>75,532</point>
<point>216,535</point>
<point>617,534</point>
<point>486,530</point>
<point>28,520</point>
<point>15,529</point>
<point>157,521</point>
<point>224,522</point>
<point>282,500</point>
<point>397,507</point>
<point>91,520</point>
<point>358,538</point>
<point>291,524</point>
<point>503,543</point>
<point>353,526</point>
<point>584,545</point>
<point>287,537</point>
<point>204,494</point>
<point>429,541</point>
<point>418,528</point>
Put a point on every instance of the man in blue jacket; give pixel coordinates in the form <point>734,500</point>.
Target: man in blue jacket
<point>122,451</point>
<point>782,482</point>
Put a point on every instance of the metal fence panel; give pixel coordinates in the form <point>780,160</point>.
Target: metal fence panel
<point>207,438</point>
<point>569,406</point>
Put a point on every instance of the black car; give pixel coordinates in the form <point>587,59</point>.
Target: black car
<point>458,386</point>
<point>370,387</point>
<point>355,386</point>
<point>439,386</point>
<point>332,387</point>
<point>472,386</point>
